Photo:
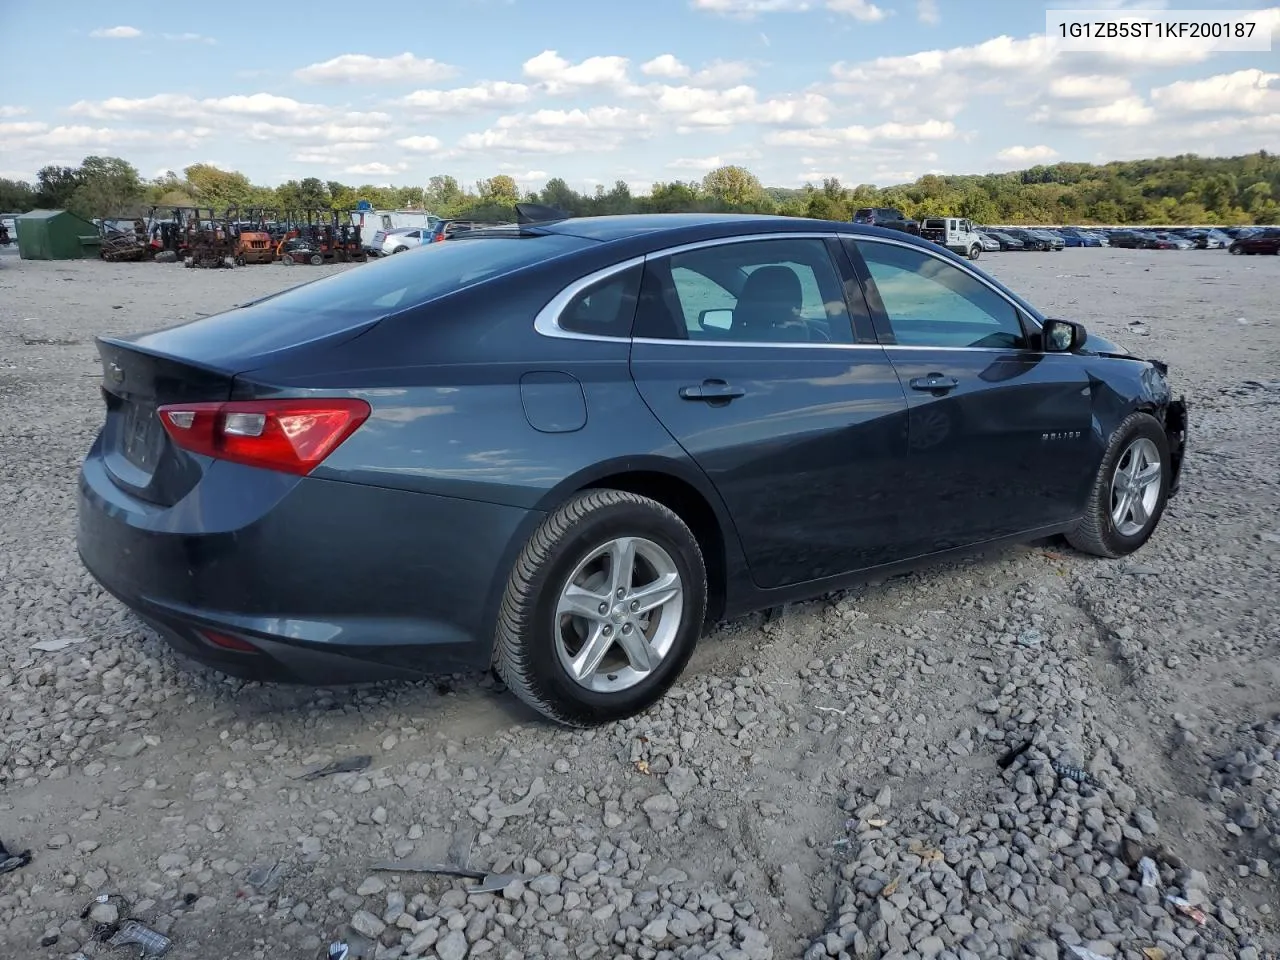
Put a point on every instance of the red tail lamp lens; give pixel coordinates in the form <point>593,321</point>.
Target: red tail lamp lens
<point>292,436</point>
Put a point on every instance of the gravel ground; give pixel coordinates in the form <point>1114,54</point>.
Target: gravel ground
<point>853,806</point>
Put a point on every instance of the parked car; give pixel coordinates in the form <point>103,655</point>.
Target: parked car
<point>563,447</point>
<point>1262,241</point>
<point>1211,240</point>
<point>1052,240</point>
<point>397,240</point>
<point>1035,239</point>
<point>1129,240</point>
<point>1073,237</point>
<point>444,229</point>
<point>889,217</point>
<point>989,243</point>
<point>1165,240</point>
<point>1007,241</point>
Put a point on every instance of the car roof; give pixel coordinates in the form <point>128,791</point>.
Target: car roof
<point>666,229</point>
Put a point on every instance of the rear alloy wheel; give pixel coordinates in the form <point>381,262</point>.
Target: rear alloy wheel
<point>399,249</point>
<point>1130,491</point>
<point>975,252</point>
<point>1235,250</point>
<point>603,609</point>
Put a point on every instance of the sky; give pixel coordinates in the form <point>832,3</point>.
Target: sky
<point>869,91</point>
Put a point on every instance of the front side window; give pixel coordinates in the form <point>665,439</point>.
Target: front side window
<point>759,291</point>
<point>932,303</point>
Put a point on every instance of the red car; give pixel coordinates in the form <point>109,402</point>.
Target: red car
<point>1265,241</point>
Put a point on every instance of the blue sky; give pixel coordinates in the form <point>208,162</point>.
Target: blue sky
<point>877,91</point>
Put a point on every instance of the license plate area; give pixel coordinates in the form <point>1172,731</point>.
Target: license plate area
<point>139,435</point>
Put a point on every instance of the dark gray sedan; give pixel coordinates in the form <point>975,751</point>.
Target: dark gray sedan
<point>562,447</point>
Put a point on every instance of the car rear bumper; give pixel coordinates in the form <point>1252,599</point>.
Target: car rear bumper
<point>328,582</point>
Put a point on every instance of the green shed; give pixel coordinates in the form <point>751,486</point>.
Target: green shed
<point>56,235</point>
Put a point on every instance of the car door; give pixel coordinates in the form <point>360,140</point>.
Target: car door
<point>765,370</point>
<point>999,432</point>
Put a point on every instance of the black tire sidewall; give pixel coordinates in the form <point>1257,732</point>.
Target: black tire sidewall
<point>606,523</point>
<point>1144,426</point>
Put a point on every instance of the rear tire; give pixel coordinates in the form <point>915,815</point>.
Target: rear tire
<point>533,646</point>
<point>317,260</point>
<point>975,252</point>
<point>1107,529</point>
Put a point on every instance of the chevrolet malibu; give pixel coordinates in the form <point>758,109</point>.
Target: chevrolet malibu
<point>559,449</point>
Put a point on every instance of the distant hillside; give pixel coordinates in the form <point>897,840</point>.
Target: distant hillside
<point>1182,189</point>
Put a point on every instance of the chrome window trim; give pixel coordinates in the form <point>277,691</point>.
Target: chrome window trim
<point>547,321</point>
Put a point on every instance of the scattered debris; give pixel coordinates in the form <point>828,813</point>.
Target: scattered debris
<point>265,879</point>
<point>1068,772</point>
<point>339,950</point>
<point>1150,874</point>
<point>54,646</point>
<point>348,765</point>
<point>13,861</point>
<point>1188,909</point>
<point>133,933</point>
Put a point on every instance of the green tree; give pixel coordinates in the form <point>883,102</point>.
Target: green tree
<point>55,186</point>
<point>734,186</point>
<point>444,196</point>
<point>108,187</point>
<point>500,190</point>
<point>560,195</point>
<point>16,196</point>
<point>212,187</point>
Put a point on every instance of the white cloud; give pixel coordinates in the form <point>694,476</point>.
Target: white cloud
<point>331,153</point>
<point>334,132</point>
<point>420,144</point>
<point>32,134</point>
<point>558,75</point>
<point>190,38</point>
<point>1089,87</point>
<point>362,68</point>
<point>169,106</point>
<point>857,134</point>
<point>700,107</point>
<point>746,9</point>
<point>716,73</point>
<point>927,12</point>
<point>1019,154</point>
<point>376,169</point>
<point>529,176</point>
<point>1244,91</point>
<point>696,163</point>
<point>116,33</point>
<point>666,66</point>
<point>560,131</point>
<point>12,111</point>
<point>1125,112</point>
<point>863,10</point>
<point>486,95</point>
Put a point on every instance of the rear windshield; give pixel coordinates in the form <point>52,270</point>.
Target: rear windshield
<point>420,275</point>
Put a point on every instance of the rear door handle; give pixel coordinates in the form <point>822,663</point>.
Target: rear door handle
<point>712,391</point>
<point>934,382</point>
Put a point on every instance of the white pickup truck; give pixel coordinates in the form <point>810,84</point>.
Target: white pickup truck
<point>955,233</point>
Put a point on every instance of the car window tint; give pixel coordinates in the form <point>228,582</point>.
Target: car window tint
<point>431,271</point>
<point>606,308</point>
<point>932,303</point>
<point>760,291</point>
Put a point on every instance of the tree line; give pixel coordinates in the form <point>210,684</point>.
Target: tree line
<point>1182,189</point>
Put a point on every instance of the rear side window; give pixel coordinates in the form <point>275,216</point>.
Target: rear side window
<point>606,308</point>
<point>428,272</point>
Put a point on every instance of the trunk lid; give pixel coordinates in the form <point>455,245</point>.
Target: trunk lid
<point>193,362</point>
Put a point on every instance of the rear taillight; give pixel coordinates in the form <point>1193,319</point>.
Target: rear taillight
<point>293,436</point>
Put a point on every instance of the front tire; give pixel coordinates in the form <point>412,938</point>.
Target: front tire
<point>603,609</point>
<point>1129,493</point>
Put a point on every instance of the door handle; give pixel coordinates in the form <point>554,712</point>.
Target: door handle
<point>712,391</point>
<point>935,383</point>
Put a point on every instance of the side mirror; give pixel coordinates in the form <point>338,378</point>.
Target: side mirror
<point>720,319</point>
<point>1063,336</point>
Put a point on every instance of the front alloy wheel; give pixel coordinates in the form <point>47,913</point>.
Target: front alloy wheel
<point>1129,492</point>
